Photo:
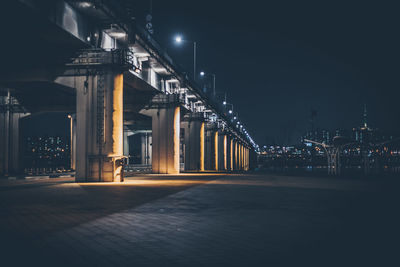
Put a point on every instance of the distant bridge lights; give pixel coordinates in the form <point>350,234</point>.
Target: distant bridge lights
<point>230,111</point>
<point>179,40</point>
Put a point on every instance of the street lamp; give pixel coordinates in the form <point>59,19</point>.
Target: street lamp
<point>230,111</point>
<point>202,73</point>
<point>179,40</point>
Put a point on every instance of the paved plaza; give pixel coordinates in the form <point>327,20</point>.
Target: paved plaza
<point>200,220</point>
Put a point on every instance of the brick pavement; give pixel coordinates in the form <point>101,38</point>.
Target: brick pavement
<point>236,220</point>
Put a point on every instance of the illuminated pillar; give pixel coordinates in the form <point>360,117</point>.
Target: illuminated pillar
<point>221,152</point>
<point>99,139</point>
<point>225,152</point>
<point>236,167</point>
<point>245,158</point>
<point>165,137</point>
<point>215,150</point>
<point>208,150</point>
<point>194,144</point>
<point>240,156</point>
<point>231,154</point>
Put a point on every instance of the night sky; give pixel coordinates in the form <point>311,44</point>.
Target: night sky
<point>280,60</point>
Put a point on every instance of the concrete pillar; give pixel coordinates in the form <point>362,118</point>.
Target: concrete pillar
<point>235,155</point>
<point>126,145</point>
<point>243,163</point>
<point>247,159</point>
<point>10,161</point>
<point>72,119</point>
<point>165,137</point>
<point>244,158</point>
<point>221,152</point>
<point>211,148</point>
<point>241,157</point>
<point>231,153</point>
<point>208,150</point>
<point>225,152</point>
<point>194,144</point>
<point>146,150</point>
<point>215,150</point>
<point>99,140</point>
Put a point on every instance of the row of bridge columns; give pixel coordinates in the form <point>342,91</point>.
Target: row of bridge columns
<point>97,135</point>
<point>98,156</point>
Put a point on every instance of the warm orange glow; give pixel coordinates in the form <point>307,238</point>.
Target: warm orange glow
<point>117,116</point>
<point>225,152</point>
<point>240,157</point>
<point>177,130</point>
<point>237,156</point>
<point>202,146</point>
<point>231,161</point>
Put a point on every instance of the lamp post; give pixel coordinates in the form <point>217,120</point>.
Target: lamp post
<point>179,40</point>
<point>230,111</point>
<point>202,73</point>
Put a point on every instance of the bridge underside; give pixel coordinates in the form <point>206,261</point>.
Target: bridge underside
<point>116,117</point>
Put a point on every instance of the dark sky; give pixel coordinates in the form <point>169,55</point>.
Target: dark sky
<point>279,59</point>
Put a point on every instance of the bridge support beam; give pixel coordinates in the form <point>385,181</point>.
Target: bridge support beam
<point>126,146</point>
<point>231,153</point>
<point>165,137</point>
<point>72,118</point>
<point>247,159</point>
<point>146,152</point>
<point>236,156</point>
<point>194,144</point>
<point>211,149</point>
<point>239,159</point>
<point>99,138</point>
<point>9,137</point>
<point>215,148</point>
<point>222,152</point>
<point>241,156</point>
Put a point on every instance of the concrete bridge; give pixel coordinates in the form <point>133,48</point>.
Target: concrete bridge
<point>89,59</point>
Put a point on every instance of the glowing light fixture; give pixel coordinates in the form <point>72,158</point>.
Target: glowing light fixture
<point>178,39</point>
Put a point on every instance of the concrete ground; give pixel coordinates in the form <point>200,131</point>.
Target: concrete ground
<point>200,220</point>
